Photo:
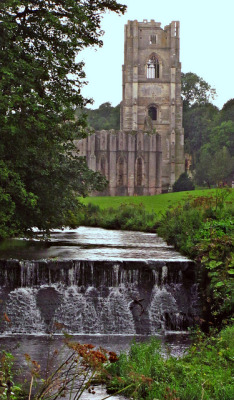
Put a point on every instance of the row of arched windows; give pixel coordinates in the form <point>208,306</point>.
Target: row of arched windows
<point>122,171</point>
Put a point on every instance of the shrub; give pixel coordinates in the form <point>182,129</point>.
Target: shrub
<point>8,389</point>
<point>202,229</point>
<point>183,183</point>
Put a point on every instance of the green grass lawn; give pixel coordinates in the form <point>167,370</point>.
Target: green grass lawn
<point>158,203</point>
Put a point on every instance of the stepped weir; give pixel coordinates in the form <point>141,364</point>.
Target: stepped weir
<point>94,281</point>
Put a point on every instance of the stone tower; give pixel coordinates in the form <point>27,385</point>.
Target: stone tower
<point>147,155</point>
<point>152,90</point>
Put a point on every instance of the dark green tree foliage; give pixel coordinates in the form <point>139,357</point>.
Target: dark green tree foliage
<point>104,117</point>
<point>198,113</point>
<point>208,131</point>
<point>40,83</point>
<point>227,112</point>
<point>216,157</point>
<point>197,120</point>
<point>183,183</point>
<point>195,90</point>
<point>214,168</point>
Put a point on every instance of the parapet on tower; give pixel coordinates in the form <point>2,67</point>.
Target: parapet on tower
<point>152,90</point>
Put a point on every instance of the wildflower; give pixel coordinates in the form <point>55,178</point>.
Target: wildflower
<point>89,346</point>
<point>27,357</point>
<point>112,357</point>
<point>6,318</point>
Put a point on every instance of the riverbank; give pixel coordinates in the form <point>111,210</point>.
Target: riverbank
<point>204,372</point>
<point>157,204</point>
<point>200,226</point>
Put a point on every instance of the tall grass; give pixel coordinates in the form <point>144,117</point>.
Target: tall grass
<point>204,373</point>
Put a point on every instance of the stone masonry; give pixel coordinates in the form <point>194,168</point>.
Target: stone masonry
<point>147,155</point>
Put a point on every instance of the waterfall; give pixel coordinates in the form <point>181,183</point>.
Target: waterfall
<point>97,297</point>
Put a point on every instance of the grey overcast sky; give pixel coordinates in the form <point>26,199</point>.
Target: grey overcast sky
<point>206,45</point>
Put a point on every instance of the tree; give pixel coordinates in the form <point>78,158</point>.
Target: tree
<point>214,168</point>
<point>105,117</point>
<point>203,167</point>
<point>222,165</point>
<point>215,161</point>
<point>40,86</point>
<point>222,135</point>
<point>197,122</point>
<point>227,112</point>
<point>183,183</point>
<point>195,90</point>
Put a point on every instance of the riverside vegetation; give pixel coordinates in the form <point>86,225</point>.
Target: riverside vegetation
<point>201,227</point>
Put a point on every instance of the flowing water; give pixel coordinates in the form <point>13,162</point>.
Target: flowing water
<point>101,283</point>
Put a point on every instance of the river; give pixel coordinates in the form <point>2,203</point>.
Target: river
<point>102,286</point>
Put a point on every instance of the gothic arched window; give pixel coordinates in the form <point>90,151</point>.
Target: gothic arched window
<point>139,172</point>
<point>153,68</point>
<point>121,172</point>
<point>103,166</point>
<point>152,112</point>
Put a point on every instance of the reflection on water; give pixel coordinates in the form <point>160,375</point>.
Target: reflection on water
<point>91,244</point>
<point>42,348</point>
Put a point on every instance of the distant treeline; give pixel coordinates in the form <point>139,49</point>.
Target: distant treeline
<point>104,117</point>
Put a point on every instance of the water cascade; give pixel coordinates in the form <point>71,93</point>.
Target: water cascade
<point>99,294</point>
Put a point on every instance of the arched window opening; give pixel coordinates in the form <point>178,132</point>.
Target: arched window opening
<point>121,172</point>
<point>103,166</point>
<point>152,112</point>
<point>153,68</point>
<point>152,39</point>
<point>139,172</point>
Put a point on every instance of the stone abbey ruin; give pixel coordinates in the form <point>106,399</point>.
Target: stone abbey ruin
<point>147,155</point>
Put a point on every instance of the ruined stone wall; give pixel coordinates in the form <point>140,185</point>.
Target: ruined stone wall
<point>130,161</point>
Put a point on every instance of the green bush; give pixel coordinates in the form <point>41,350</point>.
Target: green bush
<point>9,390</point>
<point>202,229</point>
<point>183,183</point>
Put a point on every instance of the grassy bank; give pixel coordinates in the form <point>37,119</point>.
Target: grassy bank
<point>204,373</point>
<point>158,204</point>
<point>143,213</point>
